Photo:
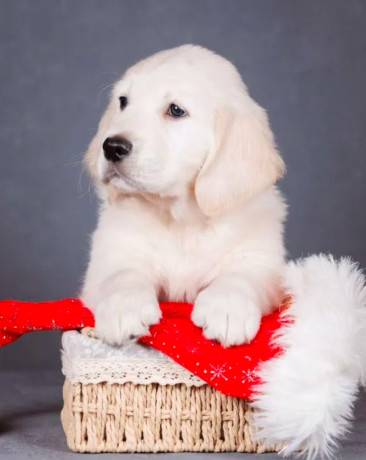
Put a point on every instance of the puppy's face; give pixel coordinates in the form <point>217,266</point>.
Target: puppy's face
<point>156,132</point>
<point>164,131</point>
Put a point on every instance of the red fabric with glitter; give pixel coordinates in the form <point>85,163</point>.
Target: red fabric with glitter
<point>233,371</point>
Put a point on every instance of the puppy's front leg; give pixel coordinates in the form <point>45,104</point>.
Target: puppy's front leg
<point>230,309</point>
<point>125,307</point>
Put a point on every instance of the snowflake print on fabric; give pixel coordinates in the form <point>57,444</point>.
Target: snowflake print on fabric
<point>218,372</point>
<point>249,376</point>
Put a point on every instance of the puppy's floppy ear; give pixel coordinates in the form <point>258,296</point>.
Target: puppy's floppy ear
<point>243,162</point>
<point>91,156</point>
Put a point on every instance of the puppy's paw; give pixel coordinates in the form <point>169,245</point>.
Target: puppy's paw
<point>228,317</point>
<point>123,316</point>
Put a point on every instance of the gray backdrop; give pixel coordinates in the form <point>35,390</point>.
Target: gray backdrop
<point>302,60</point>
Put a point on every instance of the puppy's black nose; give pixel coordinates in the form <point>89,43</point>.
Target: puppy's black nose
<point>116,148</point>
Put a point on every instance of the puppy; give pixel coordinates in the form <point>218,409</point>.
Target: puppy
<point>185,164</point>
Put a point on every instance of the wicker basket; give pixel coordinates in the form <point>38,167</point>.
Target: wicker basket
<point>130,417</point>
<point>155,418</point>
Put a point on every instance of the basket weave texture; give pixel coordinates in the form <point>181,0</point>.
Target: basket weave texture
<point>127,417</point>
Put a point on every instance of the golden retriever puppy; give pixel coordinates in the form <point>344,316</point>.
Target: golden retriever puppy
<point>185,164</point>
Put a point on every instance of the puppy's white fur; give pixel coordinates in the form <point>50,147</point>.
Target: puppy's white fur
<point>192,213</point>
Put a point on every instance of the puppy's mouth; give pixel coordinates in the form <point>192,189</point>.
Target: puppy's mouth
<point>110,174</point>
<point>120,179</point>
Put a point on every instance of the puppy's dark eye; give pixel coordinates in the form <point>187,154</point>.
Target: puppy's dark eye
<point>123,101</point>
<point>175,111</point>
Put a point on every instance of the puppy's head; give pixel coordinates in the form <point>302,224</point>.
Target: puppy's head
<point>182,122</point>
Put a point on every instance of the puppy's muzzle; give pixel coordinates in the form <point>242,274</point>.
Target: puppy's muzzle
<point>116,148</point>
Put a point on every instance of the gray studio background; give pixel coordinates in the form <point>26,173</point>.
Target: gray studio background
<point>302,60</point>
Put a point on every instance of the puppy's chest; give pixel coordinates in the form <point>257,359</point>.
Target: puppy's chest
<point>189,259</point>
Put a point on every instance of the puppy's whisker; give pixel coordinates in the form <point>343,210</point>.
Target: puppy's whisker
<point>73,163</point>
<point>91,191</point>
<point>79,181</point>
<point>76,162</point>
<point>110,85</point>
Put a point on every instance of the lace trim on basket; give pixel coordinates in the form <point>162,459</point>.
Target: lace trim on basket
<point>136,371</point>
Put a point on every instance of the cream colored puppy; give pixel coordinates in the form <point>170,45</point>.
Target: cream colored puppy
<point>185,163</point>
